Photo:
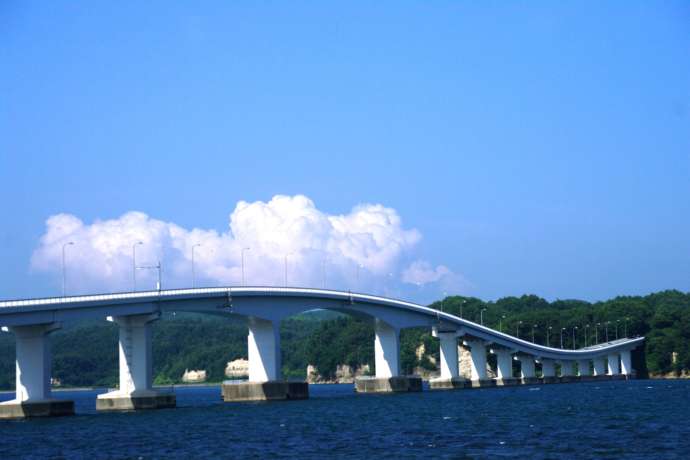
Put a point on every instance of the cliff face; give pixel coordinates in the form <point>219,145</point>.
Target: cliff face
<point>343,374</point>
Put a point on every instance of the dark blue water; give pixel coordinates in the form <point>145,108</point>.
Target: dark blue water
<point>637,419</point>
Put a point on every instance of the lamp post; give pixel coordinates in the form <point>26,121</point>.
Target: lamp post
<point>617,322</point>
<point>154,267</point>
<point>586,327</point>
<point>574,329</point>
<point>596,333</point>
<point>462,304</point>
<point>534,326</point>
<point>517,329</point>
<point>481,316</point>
<point>606,326</point>
<point>626,327</point>
<point>193,270</point>
<point>500,323</point>
<point>548,334</point>
<point>562,330</point>
<point>64,276</point>
<point>243,249</point>
<point>134,264</point>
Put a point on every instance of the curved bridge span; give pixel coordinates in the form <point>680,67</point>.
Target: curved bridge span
<point>32,320</point>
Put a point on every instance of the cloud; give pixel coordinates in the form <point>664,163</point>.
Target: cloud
<point>359,250</point>
<point>421,272</point>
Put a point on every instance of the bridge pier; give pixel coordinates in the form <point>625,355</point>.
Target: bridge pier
<point>626,364</point>
<point>614,370</point>
<point>33,370</point>
<point>527,374</point>
<point>265,377</point>
<point>548,371</point>
<point>504,367</point>
<point>450,369</point>
<point>583,370</point>
<point>599,365</point>
<point>135,390</point>
<point>387,361</point>
<point>567,372</point>
<point>478,363</point>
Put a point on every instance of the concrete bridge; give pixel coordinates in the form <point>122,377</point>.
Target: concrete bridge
<point>32,320</point>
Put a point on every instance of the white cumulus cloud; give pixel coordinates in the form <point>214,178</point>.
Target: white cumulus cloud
<point>359,250</point>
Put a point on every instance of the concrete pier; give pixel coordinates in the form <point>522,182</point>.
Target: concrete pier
<point>33,371</point>
<point>449,384</point>
<point>397,384</point>
<point>135,391</point>
<point>264,391</point>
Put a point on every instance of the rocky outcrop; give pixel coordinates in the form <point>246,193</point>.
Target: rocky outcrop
<point>343,374</point>
<point>194,376</point>
<point>466,364</point>
<point>237,368</point>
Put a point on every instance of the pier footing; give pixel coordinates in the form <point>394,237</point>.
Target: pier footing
<point>276,390</point>
<point>118,402</point>
<point>449,384</point>
<point>508,382</point>
<point>45,408</point>
<point>388,384</point>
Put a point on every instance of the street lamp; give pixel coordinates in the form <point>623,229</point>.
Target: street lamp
<point>242,257</point>
<point>500,323</point>
<point>134,265</point>
<point>606,325</point>
<point>64,276</point>
<point>154,267</point>
<point>462,304</point>
<point>193,272</point>
<point>517,329</point>
<point>534,326</point>
<point>617,322</point>
<point>562,330</point>
<point>481,316</point>
<point>626,327</point>
<point>586,327</point>
<point>574,329</point>
<point>596,333</point>
<point>548,334</point>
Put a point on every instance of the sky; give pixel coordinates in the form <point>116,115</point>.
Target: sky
<point>408,149</point>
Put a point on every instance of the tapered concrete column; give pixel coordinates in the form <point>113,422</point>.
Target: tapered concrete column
<point>567,369</point>
<point>626,363</point>
<point>386,350</point>
<point>613,366</point>
<point>449,354</point>
<point>136,368</point>
<point>33,371</point>
<point>547,368</point>
<point>526,366</point>
<point>504,361</point>
<point>387,361</point>
<point>583,368</point>
<point>263,345</point>
<point>478,355</point>
<point>34,361</point>
<point>599,366</point>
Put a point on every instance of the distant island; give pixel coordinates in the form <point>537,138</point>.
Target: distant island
<point>338,347</point>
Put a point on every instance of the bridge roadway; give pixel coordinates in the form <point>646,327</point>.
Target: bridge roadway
<point>32,320</point>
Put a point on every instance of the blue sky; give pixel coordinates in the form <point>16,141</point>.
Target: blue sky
<point>536,147</point>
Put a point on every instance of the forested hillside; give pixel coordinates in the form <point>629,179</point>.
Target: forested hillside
<point>86,354</point>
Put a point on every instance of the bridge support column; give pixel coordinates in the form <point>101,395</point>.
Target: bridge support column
<point>504,367</point>
<point>450,372</point>
<point>599,367</point>
<point>626,364</point>
<point>387,362</point>
<point>548,371</point>
<point>136,382</point>
<point>478,364</point>
<point>583,370</point>
<point>614,370</point>
<point>567,373</point>
<point>527,374</point>
<point>33,371</point>
<point>265,376</point>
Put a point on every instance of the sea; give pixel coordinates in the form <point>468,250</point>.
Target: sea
<point>638,419</point>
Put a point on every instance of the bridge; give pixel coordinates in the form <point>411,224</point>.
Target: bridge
<point>32,320</point>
